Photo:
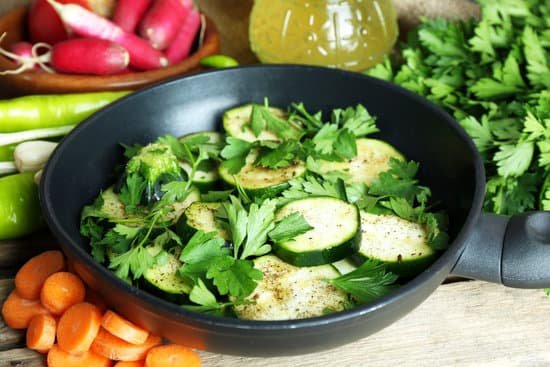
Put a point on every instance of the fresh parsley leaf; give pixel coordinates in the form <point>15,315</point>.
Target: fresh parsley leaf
<point>538,71</point>
<point>216,196</point>
<point>180,150</point>
<point>249,228</point>
<point>131,150</point>
<point>366,283</point>
<point>312,185</point>
<point>132,191</point>
<point>262,118</point>
<point>514,160</point>
<point>282,156</point>
<point>356,120</point>
<point>175,191</point>
<point>205,299</point>
<point>126,231</point>
<point>203,247</point>
<point>234,277</point>
<point>398,181</point>
<point>289,227</point>
<point>260,223</point>
<point>135,261</point>
<point>235,153</point>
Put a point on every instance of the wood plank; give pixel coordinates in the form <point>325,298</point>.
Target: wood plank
<point>14,253</point>
<point>462,324</point>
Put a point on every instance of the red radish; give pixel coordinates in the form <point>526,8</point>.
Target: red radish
<point>89,56</point>
<point>182,44</point>
<point>128,13</point>
<point>24,49</point>
<point>44,25</point>
<point>87,24</point>
<point>25,58</point>
<point>163,20</point>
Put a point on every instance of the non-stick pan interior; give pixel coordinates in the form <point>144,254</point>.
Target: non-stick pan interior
<point>84,163</point>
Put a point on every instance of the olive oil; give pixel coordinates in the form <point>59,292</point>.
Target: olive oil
<point>352,35</point>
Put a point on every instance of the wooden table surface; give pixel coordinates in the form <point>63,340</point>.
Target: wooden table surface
<point>468,323</point>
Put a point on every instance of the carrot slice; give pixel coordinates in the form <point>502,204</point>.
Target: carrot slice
<point>124,329</point>
<point>57,357</point>
<point>78,327</point>
<point>18,312</point>
<point>31,276</point>
<point>41,333</point>
<point>110,346</point>
<point>61,290</point>
<point>172,355</point>
<point>139,363</point>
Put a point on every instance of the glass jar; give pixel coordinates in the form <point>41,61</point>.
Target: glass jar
<point>352,34</point>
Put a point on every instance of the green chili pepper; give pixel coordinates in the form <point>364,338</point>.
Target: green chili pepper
<point>6,152</point>
<point>20,212</point>
<point>43,111</point>
<point>218,61</point>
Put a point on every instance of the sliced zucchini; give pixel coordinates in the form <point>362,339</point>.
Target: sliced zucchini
<point>344,266</point>
<point>373,157</point>
<point>163,278</point>
<point>180,206</point>
<point>214,137</point>
<point>200,216</point>
<point>206,176</point>
<point>287,292</point>
<point>259,181</point>
<point>114,208</point>
<point>335,234</point>
<point>235,123</point>
<point>397,242</point>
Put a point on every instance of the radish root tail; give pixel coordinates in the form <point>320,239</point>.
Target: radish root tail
<point>27,63</point>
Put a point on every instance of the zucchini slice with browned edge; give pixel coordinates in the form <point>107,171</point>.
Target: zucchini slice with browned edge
<point>163,279</point>
<point>200,216</point>
<point>236,120</point>
<point>287,292</point>
<point>259,181</point>
<point>334,236</point>
<point>373,157</point>
<point>398,243</point>
<point>206,176</point>
<point>115,209</point>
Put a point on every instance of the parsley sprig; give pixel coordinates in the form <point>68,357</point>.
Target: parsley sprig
<point>302,135</point>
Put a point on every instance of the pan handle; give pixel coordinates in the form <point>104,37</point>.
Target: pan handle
<point>514,251</point>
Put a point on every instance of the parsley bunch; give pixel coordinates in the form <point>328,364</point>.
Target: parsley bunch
<point>493,75</point>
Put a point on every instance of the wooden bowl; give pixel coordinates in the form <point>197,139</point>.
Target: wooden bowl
<point>30,82</point>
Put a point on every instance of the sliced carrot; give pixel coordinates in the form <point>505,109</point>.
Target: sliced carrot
<point>41,333</point>
<point>18,312</point>
<point>31,276</point>
<point>110,346</point>
<point>57,357</point>
<point>139,363</point>
<point>124,329</point>
<point>61,290</point>
<point>78,327</point>
<point>172,355</point>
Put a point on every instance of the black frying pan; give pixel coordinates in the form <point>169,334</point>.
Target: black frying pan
<point>513,251</point>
